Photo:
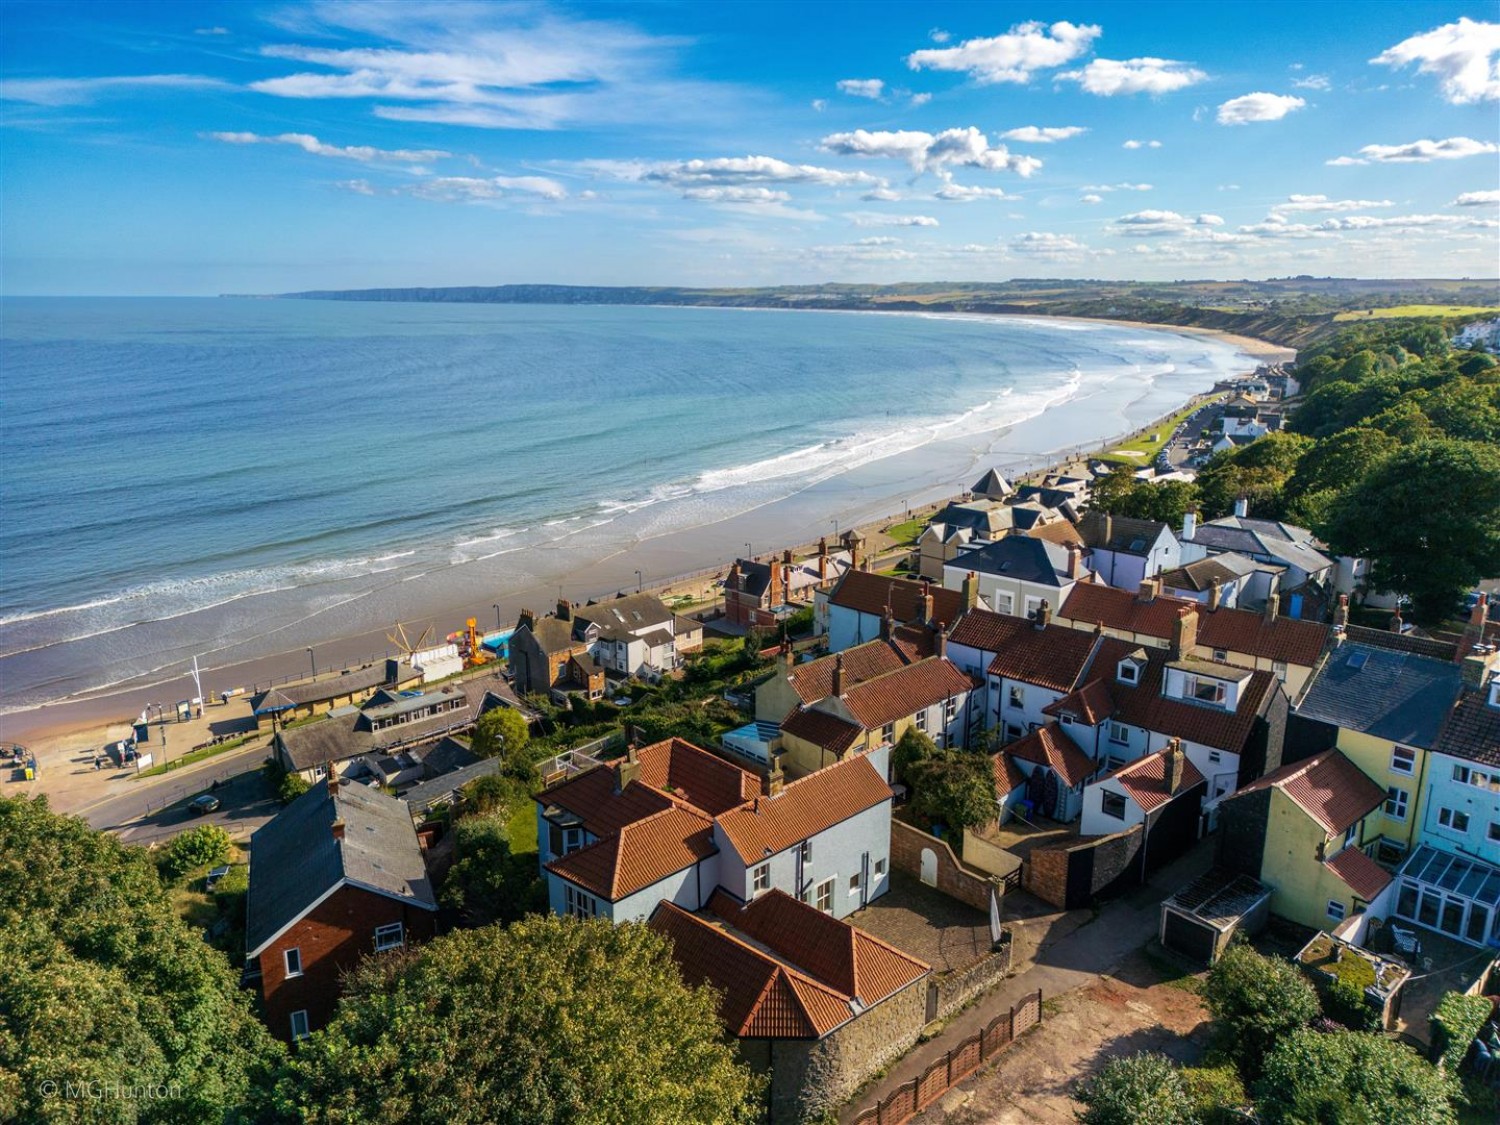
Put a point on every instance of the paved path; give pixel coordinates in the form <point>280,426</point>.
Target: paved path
<point>1079,956</point>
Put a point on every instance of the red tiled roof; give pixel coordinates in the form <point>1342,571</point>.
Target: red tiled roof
<point>832,952</point>
<point>591,797</point>
<point>1049,746</point>
<point>804,808</point>
<point>1008,776</point>
<point>1285,639</point>
<point>1123,610</point>
<point>1145,779</point>
<point>821,729</point>
<point>916,642</point>
<point>703,780</point>
<point>814,681</point>
<point>639,855</point>
<point>1472,729</point>
<point>870,593</point>
<point>1360,873</point>
<point>904,692</point>
<point>1091,703</point>
<point>1054,657</point>
<point>1328,787</point>
<point>759,998</point>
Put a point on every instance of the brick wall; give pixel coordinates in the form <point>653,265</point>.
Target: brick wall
<point>956,989</point>
<point>953,879</point>
<point>1069,875</point>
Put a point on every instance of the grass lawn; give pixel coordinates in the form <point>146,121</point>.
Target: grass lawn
<point>906,534</point>
<point>1417,310</point>
<point>1148,450</point>
<point>520,827</point>
<point>195,756</point>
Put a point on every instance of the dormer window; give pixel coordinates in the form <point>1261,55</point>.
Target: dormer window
<point>1129,671</point>
<point>1206,691</point>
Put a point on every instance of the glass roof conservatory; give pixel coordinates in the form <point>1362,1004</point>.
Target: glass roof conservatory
<point>1453,894</point>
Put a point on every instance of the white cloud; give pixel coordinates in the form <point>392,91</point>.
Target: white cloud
<point>1418,152</point>
<point>920,99</point>
<point>1141,144</point>
<point>1109,77</point>
<point>1464,55</point>
<point>882,195</point>
<point>1163,222</point>
<point>735,195</point>
<point>1277,227</point>
<point>1043,134</point>
<point>938,35</point>
<point>1049,246</point>
<point>819,104</point>
<point>473,189</point>
<point>878,240</point>
<point>1012,57</point>
<point>1312,82</point>
<point>1477,199</point>
<point>365,154</point>
<point>1117,187</point>
<point>731,170</point>
<point>875,219</point>
<point>1323,203</point>
<point>220,31</point>
<point>358,187</point>
<point>871,88</point>
<point>1091,198</point>
<point>960,193</point>
<point>1257,107</point>
<point>81,91</point>
<point>926,152</point>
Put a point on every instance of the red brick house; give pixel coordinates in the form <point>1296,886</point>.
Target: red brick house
<point>336,877</point>
<point>752,591</point>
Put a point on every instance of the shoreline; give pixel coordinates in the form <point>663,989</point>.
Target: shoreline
<point>699,553</point>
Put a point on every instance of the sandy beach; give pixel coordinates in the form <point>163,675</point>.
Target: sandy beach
<point>584,566</point>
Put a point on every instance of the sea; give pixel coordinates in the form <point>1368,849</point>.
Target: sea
<point>229,479</point>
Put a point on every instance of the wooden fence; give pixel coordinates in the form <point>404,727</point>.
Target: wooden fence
<point>911,1097</point>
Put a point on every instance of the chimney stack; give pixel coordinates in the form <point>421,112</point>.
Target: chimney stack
<point>628,770</point>
<point>1478,665</point>
<point>940,641</point>
<point>333,779</point>
<point>1075,561</point>
<point>528,619</point>
<point>1215,595</point>
<point>1341,614</point>
<point>1189,523</point>
<point>1396,622</point>
<point>926,604</point>
<point>564,609</point>
<point>970,590</point>
<point>1184,633</point>
<point>1176,763</point>
<point>1242,506</point>
<point>823,559</point>
<point>1148,590</point>
<point>338,829</point>
<point>838,676</point>
<point>887,624</point>
<point>775,780</point>
<point>1043,616</point>
<point>1273,608</point>
<point>1109,530</point>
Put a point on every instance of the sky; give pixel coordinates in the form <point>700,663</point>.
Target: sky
<point>200,148</point>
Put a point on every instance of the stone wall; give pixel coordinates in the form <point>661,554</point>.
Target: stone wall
<point>953,879</point>
<point>957,988</point>
<point>1069,875</point>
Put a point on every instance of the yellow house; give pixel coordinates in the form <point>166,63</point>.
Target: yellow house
<point>1300,831</point>
<point>1383,708</point>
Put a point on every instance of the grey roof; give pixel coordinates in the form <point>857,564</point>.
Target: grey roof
<point>337,740</point>
<point>1284,542</point>
<point>1020,557</point>
<point>350,683</point>
<point>1048,497</point>
<point>755,577</point>
<point>657,638</point>
<point>406,704</point>
<point>295,860</point>
<point>632,613</point>
<point>1123,534</point>
<point>1199,576</point>
<point>993,485</point>
<point>448,755</point>
<point>982,517</point>
<point>441,790</point>
<point>1396,696</point>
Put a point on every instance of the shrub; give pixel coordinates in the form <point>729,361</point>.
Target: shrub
<point>1144,1088</point>
<point>1455,1024</point>
<point>912,748</point>
<point>291,786</point>
<point>1216,1093</point>
<point>1256,1001</point>
<point>956,787</point>
<point>1345,1002</point>
<point>1351,1078</point>
<point>208,845</point>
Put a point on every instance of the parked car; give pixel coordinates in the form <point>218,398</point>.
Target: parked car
<point>203,803</point>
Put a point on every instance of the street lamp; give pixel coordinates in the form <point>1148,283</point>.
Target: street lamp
<point>498,627</point>
<point>639,583</point>
<point>835,528</point>
<point>748,553</point>
<point>312,660</point>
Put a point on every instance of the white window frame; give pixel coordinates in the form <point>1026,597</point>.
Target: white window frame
<point>1461,774</point>
<point>880,865</point>
<point>383,935</point>
<point>921,720</point>
<point>1400,798</point>
<point>950,710</point>
<point>1105,796</point>
<point>1216,689</point>
<point>1004,607</point>
<point>805,848</point>
<point>1215,756</point>
<point>1279,669</point>
<point>290,955</point>
<point>578,904</point>
<point>888,733</point>
<point>1449,819</point>
<point>1015,699</point>
<point>1119,734</point>
<point>760,878</point>
<point>822,895</point>
<point>856,883</point>
<point>1221,655</point>
<point>302,1032</point>
<point>1336,910</point>
<point>1407,758</point>
<point>1128,671</point>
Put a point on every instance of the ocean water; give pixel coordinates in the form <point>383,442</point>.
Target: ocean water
<point>232,478</point>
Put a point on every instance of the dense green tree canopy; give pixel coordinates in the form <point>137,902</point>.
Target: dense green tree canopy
<point>1256,1000</point>
<point>488,882</point>
<point>101,982</point>
<point>500,730</point>
<point>956,787</point>
<point>1257,471</point>
<point>911,749</point>
<point>1143,1089</point>
<point>549,1020</point>
<point>1351,1078</point>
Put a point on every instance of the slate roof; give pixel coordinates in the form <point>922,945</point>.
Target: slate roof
<point>335,738</point>
<point>448,755</point>
<point>1263,537</point>
<point>993,485</point>
<point>755,577</point>
<point>1395,696</point>
<point>1120,534</point>
<point>640,854</point>
<point>1360,873</point>
<point>1328,787</point>
<point>821,729</point>
<point>1200,576</point>
<point>905,691</point>
<point>1472,729</point>
<point>1020,557</point>
<point>1434,647</point>
<point>814,680</point>
<point>1049,746</point>
<point>295,860</point>
<point>804,808</point>
<point>703,780</point>
<point>866,592</point>
<point>350,683</point>
<point>1145,779</point>
<point>442,789</point>
<point>633,612</point>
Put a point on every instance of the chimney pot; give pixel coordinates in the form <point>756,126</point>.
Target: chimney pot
<point>1147,592</point>
<point>564,609</point>
<point>1242,507</point>
<point>775,780</point>
<point>1190,523</point>
<point>1176,764</point>
<point>838,675</point>
<point>1043,616</point>
<point>1273,608</point>
<point>1215,595</point>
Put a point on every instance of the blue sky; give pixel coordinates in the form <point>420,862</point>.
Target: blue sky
<point>174,148</point>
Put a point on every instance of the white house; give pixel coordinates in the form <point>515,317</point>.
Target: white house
<point>1130,794</point>
<point>1016,574</point>
<point>1124,552</point>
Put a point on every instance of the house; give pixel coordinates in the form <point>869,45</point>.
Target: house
<point>336,876</point>
<point>1016,574</point>
<point>1264,641</point>
<point>1265,541</point>
<point>992,486</point>
<point>672,822</point>
<point>1124,552</point>
<point>1301,831</point>
<point>1154,790</point>
<point>573,649</point>
<point>757,595</point>
<point>317,697</point>
<point>1218,581</point>
<point>369,740</point>
<point>856,608</point>
<point>1052,769</point>
<point>972,523</point>
<point>817,1005</point>
<point>1383,708</point>
<point>540,648</point>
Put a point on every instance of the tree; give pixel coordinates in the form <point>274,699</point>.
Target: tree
<point>911,749</point>
<point>1258,471</point>
<point>291,786</point>
<point>1144,1089</point>
<point>488,882</point>
<point>102,982</point>
<point>1428,519</point>
<point>1216,1093</point>
<point>1111,490</point>
<point>500,731</point>
<point>956,787</point>
<point>1351,1078</point>
<point>549,1020</point>
<point>1256,1000</point>
<point>208,845</point>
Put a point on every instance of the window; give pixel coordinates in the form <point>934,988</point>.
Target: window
<point>1351,834</point>
<point>888,733</point>
<point>1221,655</point>
<point>1032,605</point>
<point>1395,803</point>
<point>1403,760</point>
<point>572,840</point>
<point>1013,731</point>
<point>806,849</point>
<point>299,1025</point>
<point>577,904</point>
<point>950,709</point>
<point>1129,672</point>
<point>922,720</point>
<point>1206,691</point>
<point>389,937</point>
<point>1453,819</point>
<point>293,962</point>
<point>1112,804</point>
<point>880,865</point>
<point>1495,832</point>
<point>1119,734</point>
<point>1335,910</point>
<point>854,883</point>
<point>1461,774</point>
<point>1215,756</point>
<point>823,896</point>
<point>1067,720</point>
<point>760,879</point>
<point>1279,668</point>
<point>1004,603</point>
<point>1017,696</point>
